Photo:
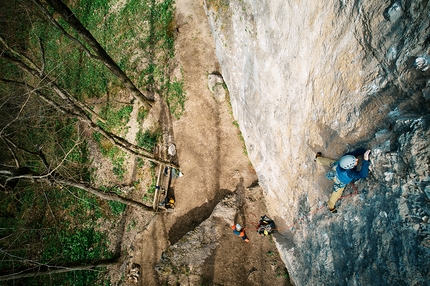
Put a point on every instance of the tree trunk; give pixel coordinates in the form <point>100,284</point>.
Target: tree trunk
<point>78,110</point>
<point>105,58</point>
<point>52,269</point>
<point>52,177</point>
<point>107,196</point>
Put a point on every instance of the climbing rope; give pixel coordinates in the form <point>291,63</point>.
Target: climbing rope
<point>255,220</point>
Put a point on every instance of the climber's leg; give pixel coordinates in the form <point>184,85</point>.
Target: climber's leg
<point>325,161</point>
<point>338,188</point>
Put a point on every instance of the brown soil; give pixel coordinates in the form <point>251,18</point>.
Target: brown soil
<point>211,156</point>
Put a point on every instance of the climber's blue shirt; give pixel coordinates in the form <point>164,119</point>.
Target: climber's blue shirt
<point>347,176</point>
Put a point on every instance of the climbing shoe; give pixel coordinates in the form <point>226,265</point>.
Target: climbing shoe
<point>319,154</point>
<point>333,210</point>
<point>246,240</point>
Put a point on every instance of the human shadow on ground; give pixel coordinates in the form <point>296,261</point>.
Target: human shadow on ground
<point>240,201</point>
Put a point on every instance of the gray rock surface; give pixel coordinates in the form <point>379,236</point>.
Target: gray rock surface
<point>331,76</point>
<point>191,251</point>
<point>216,85</point>
<point>212,255</point>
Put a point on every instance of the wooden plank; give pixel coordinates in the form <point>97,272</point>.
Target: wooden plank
<point>157,193</point>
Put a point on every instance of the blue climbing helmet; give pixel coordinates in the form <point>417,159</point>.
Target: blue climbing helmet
<point>347,162</point>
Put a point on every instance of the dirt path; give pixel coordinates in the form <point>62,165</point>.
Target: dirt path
<point>209,150</point>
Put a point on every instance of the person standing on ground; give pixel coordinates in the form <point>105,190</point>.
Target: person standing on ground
<point>343,172</point>
<point>237,230</point>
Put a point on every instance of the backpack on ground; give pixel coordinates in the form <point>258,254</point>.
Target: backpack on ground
<point>266,226</point>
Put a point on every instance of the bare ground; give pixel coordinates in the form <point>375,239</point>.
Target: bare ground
<point>211,155</point>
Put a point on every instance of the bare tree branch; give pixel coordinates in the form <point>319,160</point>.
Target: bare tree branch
<point>111,196</point>
<point>64,32</point>
<point>102,55</point>
<point>11,151</point>
<point>60,91</point>
<point>53,178</point>
<point>79,113</point>
<point>53,171</point>
<point>17,116</point>
<point>40,269</point>
<point>27,59</point>
<point>53,103</point>
<point>42,50</point>
<point>39,153</point>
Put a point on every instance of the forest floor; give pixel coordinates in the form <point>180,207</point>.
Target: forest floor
<point>212,157</point>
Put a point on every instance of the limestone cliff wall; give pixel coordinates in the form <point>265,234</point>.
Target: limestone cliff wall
<point>330,76</point>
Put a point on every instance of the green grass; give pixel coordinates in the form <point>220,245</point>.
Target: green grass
<point>117,157</point>
<point>113,153</point>
<point>140,162</point>
<point>83,244</point>
<point>145,29</point>
<point>69,139</point>
<point>245,152</point>
<point>81,206</point>
<point>55,224</point>
<point>135,32</point>
<point>147,139</point>
<point>117,208</point>
<point>141,114</point>
<point>176,98</point>
<point>131,226</point>
<point>149,195</point>
<point>116,118</point>
<point>151,189</point>
<point>91,12</point>
<point>219,6</point>
<point>72,69</point>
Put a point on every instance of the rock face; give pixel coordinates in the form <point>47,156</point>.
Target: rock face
<point>212,255</point>
<point>216,86</point>
<point>331,76</point>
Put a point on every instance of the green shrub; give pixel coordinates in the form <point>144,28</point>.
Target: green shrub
<point>77,245</point>
<point>117,207</point>
<point>176,98</point>
<point>147,139</point>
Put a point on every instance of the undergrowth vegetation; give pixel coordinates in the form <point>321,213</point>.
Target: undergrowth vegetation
<point>43,224</point>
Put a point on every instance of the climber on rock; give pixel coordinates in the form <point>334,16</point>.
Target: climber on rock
<point>237,230</point>
<point>343,172</point>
